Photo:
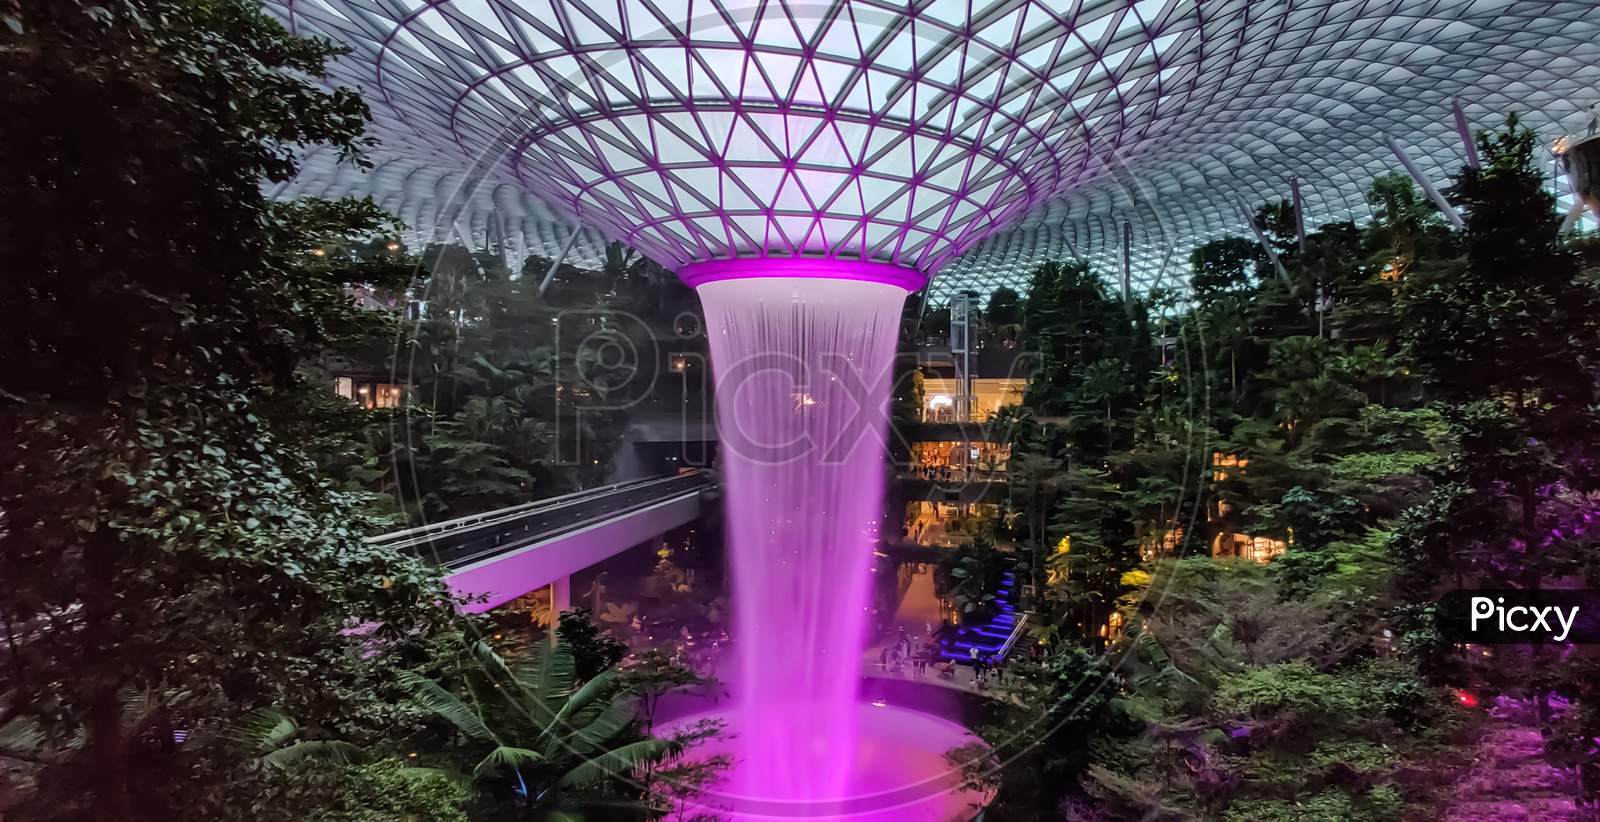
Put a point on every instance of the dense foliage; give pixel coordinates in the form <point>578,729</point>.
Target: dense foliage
<point>183,504</point>
<point>1391,411</point>
<point>173,557</point>
<point>515,394</point>
<point>1233,538</point>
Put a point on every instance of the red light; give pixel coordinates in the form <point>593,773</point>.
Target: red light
<point>1466,699</point>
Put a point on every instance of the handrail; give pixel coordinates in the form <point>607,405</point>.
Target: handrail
<point>472,538</point>
<point>500,515</point>
<point>1016,633</point>
<point>497,548</point>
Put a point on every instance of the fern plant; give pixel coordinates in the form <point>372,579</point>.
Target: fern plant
<point>553,739</point>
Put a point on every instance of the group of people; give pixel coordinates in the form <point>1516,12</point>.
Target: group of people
<point>918,657</point>
<point>983,667</point>
<point>904,653</point>
<point>940,473</point>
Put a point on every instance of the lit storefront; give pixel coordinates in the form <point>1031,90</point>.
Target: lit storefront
<point>942,398</point>
<point>960,460</point>
<point>370,393</point>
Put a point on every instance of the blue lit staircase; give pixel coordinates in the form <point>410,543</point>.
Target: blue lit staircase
<point>990,636</point>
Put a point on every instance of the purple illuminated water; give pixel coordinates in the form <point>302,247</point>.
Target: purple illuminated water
<point>900,774</point>
<point>803,370</point>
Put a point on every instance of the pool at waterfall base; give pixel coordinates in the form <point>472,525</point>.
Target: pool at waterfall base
<point>900,772</point>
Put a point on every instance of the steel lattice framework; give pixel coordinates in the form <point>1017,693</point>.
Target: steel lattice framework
<point>976,137</point>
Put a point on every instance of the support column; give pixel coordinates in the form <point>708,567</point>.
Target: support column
<point>1127,261</point>
<point>560,602</point>
<point>1465,131</point>
<point>1438,199</point>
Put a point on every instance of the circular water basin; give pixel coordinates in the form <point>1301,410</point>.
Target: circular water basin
<point>900,773</point>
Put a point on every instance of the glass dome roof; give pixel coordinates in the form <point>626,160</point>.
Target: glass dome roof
<point>973,138</point>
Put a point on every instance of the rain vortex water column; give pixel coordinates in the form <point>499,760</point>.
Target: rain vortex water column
<point>802,357</point>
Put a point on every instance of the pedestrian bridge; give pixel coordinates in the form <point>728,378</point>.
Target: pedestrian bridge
<point>497,556</point>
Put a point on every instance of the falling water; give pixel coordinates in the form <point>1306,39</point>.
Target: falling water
<point>803,371</point>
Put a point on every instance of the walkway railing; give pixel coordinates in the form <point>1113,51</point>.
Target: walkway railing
<point>1016,633</point>
<point>468,539</point>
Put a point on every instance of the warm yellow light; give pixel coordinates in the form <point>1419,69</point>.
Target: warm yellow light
<point>393,246</point>
<point>317,252</point>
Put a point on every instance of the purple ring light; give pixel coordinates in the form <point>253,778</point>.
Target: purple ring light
<point>820,268</point>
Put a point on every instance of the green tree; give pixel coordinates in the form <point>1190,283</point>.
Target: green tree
<point>593,649</point>
<point>1002,318</point>
<point>1070,320</point>
<point>1404,223</point>
<point>1508,342</point>
<point>1096,549</point>
<point>1039,734</point>
<point>1511,340</point>
<point>1224,267</point>
<point>1004,307</point>
<point>164,534</point>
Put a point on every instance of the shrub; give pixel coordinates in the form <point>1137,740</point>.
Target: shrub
<point>1360,756</point>
<point>1290,690</point>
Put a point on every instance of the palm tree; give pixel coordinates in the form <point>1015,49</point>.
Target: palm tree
<point>1301,403</point>
<point>1227,323</point>
<point>1104,381</point>
<point>1297,358</point>
<point>1034,481</point>
<point>1368,367</point>
<point>274,738</point>
<point>540,730</point>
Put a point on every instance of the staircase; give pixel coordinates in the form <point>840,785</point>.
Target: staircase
<point>992,636</point>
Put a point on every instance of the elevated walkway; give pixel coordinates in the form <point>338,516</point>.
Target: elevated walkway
<point>497,556</point>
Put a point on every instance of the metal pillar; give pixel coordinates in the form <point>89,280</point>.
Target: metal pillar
<point>1127,261</point>
<point>1299,213</point>
<point>1277,265</point>
<point>1465,131</point>
<point>1427,187</point>
<point>566,248</point>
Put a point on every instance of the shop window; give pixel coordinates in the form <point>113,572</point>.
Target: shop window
<point>386,395</point>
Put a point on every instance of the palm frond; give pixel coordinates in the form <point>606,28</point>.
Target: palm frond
<point>262,730</point>
<point>596,735</point>
<point>138,705</point>
<point>548,676</point>
<point>430,695</point>
<point>621,760</point>
<point>331,752</point>
<point>603,685</point>
<point>21,736</point>
<point>506,704</point>
<point>490,663</point>
<point>505,757</point>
